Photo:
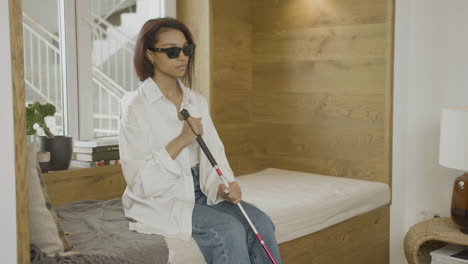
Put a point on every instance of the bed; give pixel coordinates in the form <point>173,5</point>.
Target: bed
<point>319,219</point>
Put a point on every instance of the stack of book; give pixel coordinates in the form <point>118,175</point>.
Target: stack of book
<point>95,153</point>
<point>450,254</point>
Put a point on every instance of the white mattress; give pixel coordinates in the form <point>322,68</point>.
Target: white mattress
<point>298,203</point>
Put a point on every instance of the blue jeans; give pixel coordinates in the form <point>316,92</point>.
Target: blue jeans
<point>224,235</point>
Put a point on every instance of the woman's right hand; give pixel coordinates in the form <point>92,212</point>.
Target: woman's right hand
<point>187,136</point>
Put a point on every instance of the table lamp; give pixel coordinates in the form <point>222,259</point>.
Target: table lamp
<point>454,154</point>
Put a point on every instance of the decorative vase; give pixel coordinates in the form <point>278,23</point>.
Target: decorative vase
<point>460,202</point>
<point>60,148</point>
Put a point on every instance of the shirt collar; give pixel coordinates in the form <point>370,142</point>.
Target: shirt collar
<point>153,93</point>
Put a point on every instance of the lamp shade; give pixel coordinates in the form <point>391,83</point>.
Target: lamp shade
<point>454,138</point>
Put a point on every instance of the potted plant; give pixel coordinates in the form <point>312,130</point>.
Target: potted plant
<point>60,147</point>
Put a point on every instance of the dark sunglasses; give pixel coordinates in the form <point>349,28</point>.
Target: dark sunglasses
<point>174,52</point>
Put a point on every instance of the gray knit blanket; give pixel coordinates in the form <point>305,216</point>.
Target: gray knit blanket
<point>39,257</point>
<point>99,234</point>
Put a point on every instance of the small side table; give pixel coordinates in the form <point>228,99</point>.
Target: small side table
<point>431,234</point>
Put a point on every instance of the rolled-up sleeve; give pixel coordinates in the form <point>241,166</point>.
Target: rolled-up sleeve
<point>148,172</point>
<point>213,196</point>
<point>217,147</point>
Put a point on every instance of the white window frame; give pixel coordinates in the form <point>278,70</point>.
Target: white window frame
<point>169,7</point>
<point>69,67</point>
<point>84,70</point>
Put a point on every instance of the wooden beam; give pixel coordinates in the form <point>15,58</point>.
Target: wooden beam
<point>196,16</point>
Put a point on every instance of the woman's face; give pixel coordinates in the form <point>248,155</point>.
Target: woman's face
<point>175,67</point>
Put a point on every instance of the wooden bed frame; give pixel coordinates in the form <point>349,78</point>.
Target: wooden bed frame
<point>360,240</point>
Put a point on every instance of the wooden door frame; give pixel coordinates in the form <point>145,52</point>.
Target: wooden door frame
<point>19,128</point>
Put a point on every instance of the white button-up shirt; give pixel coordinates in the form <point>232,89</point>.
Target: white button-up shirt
<point>160,193</point>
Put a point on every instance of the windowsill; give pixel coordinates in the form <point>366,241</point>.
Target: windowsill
<point>76,172</point>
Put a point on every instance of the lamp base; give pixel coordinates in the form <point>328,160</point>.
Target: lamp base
<point>460,202</point>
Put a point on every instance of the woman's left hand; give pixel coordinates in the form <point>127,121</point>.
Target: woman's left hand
<point>233,194</point>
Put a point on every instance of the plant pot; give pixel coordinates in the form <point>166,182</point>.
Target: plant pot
<point>44,161</point>
<point>60,148</point>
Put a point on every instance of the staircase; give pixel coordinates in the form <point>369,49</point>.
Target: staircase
<point>110,38</point>
<point>42,73</point>
<point>112,56</point>
<point>113,45</point>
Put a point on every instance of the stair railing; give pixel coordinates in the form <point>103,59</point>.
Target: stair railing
<point>107,102</point>
<point>114,56</point>
<point>41,61</point>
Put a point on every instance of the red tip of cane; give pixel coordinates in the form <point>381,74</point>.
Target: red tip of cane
<point>219,172</point>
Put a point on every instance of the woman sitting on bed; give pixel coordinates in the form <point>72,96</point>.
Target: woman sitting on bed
<point>172,190</point>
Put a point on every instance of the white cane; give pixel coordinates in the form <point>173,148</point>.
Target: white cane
<point>185,114</point>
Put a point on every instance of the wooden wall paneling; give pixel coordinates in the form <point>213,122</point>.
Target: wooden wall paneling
<point>321,43</point>
<point>245,164</point>
<point>357,76</point>
<point>327,142</point>
<point>304,84</point>
<point>231,93</point>
<point>322,109</point>
<point>276,15</point>
<point>19,115</point>
<point>232,72</point>
<point>355,169</point>
<point>232,107</point>
<point>237,137</point>
<point>320,83</point>
<point>238,146</point>
<point>328,73</point>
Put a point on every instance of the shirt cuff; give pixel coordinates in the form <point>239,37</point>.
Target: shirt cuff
<point>214,197</point>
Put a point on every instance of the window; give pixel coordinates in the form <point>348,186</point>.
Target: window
<point>42,58</point>
<point>79,57</point>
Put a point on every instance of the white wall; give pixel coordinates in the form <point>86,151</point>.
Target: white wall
<point>431,72</point>
<point>7,158</point>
